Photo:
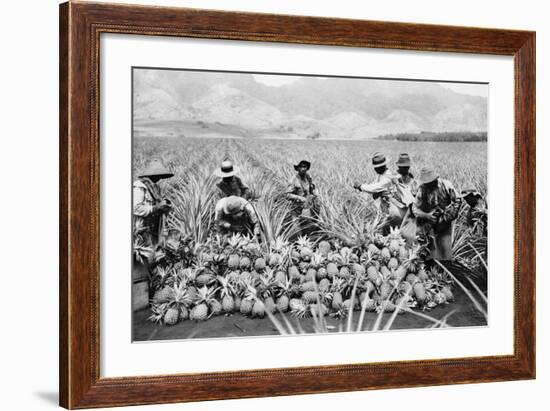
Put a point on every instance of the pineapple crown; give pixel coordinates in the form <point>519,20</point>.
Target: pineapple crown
<point>205,295</point>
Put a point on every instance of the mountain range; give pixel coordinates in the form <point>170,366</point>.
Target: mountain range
<point>314,107</point>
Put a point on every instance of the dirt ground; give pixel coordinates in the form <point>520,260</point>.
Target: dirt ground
<point>237,325</point>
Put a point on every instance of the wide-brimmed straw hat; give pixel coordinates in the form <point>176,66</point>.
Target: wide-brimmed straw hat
<point>470,191</point>
<point>303,163</point>
<point>233,204</point>
<point>427,175</point>
<point>378,160</point>
<point>403,161</point>
<point>156,169</point>
<point>227,169</point>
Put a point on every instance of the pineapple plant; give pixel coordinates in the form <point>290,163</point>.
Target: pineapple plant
<point>203,300</point>
<point>227,293</point>
<point>298,308</point>
<point>304,245</point>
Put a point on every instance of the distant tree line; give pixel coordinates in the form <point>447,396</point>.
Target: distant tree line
<point>452,136</point>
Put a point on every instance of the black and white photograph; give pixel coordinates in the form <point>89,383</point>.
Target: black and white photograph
<point>282,204</point>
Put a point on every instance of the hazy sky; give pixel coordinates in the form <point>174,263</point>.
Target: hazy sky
<point>463,88</point>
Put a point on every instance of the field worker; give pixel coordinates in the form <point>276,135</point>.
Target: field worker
<point>230,184</point>
<point>436,207</point>
<point>384,192</point>
<point>406,189</point>
<point>301,192</point>
<point>149,208</point>
<point>236,215</point>
<point>407,186</point>
<point>477,213</point>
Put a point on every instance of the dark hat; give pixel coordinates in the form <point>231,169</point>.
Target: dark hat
<point>427,175</point>
<point>378,160</point>
<point>303,163</point>
<point>470,191</point>
<point>404,160</point>
<point>156,168</point>
<point>227,169</point>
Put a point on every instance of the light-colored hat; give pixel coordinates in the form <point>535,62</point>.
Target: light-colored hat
<point>227,169</point>
<point>233,204</point>
<point>378,160</point>
<point>427,175</point>
<point>156,168</point>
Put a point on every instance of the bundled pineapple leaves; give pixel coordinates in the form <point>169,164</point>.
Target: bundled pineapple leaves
<point>234,274</point>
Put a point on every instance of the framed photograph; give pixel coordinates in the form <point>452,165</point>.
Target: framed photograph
<point>260,205</point>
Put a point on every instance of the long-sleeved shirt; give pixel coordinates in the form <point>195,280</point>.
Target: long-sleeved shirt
<point>443,197</point>
<point>406,189</point>
<point>233,187</point>
<point>239,222</point>
<point>299,188</point>
<point>146,195</point>
<point>384,191</point>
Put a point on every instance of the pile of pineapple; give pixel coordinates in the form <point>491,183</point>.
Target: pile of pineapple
<point>306,278</point>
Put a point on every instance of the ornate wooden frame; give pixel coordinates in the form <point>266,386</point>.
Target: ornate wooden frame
<point>80,27</point>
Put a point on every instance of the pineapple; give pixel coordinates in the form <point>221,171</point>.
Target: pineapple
<point>282,303</point>
<point>332,270</point>
<point>310,296</point>
<point>172,316</point>
<point>304,247</point>
<point>308,286</point>
<point>420,292</point>
<point>227,293</point>
<point>215,307</point>
<point>258,309</point>
<point>311,274</point>
<point>319,310</point>
<point>322,273</point>
<point>293,272</point>
<point>205,278</point>
<point>246,306</point>
<point>386,307</point>
<point>259,264</point>
<point>373,250</point>
<point>228,304</point>
<point>199,312</point>
<point>233,261</point>
<point>244,263</point>
<point>270,305</point>
<point>324,285</point>
<point>412,279</point>
<point>393,263</point>
<point>298,308</point>
<point>275,259</point>
<point>448,293</point>
<point>400,273</point>
<point>337,300</point>
<point>385,254</point>
<point>423,275</point>
<point>385,290</point>
<point>344,272</point>
<point>163,295</point>
<point>358,269</point>
<point>204,299</point>
<point>324,248</point>
<point>372,273</point>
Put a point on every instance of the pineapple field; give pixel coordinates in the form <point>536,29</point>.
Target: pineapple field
<point>341,275</point>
